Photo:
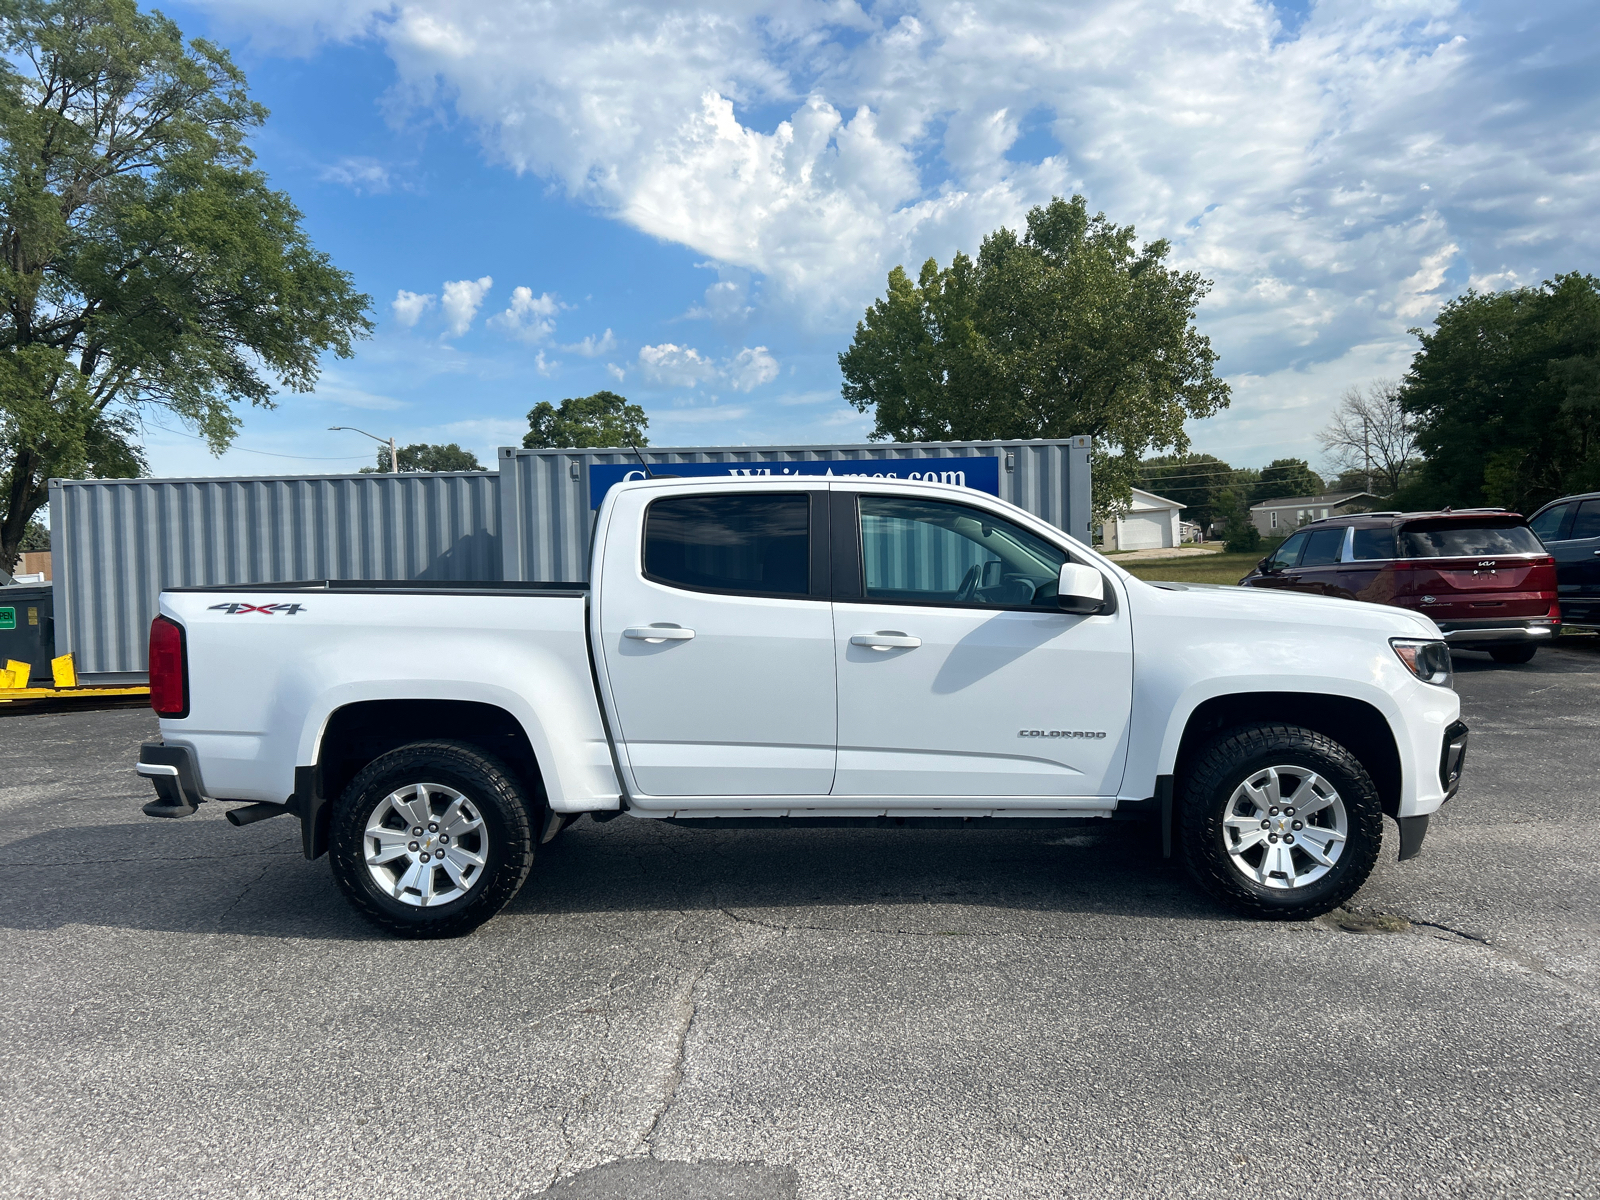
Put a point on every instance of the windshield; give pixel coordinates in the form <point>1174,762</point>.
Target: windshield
<point>1467,539</point>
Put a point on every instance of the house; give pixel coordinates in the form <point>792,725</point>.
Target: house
<point>1275,518</point>
<point>1151,521</point>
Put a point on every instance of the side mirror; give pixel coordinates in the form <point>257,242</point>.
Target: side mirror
<point>1265,565</point>
<point>1080,590</point>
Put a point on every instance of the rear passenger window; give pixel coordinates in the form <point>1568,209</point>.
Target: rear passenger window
<point>1372,543</point>
<point>744,544</point>
<point>1323,548</point>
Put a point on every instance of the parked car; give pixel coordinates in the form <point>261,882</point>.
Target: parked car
<point>1481,574</point>
<point>1570,530</point>
<point>794,652</point>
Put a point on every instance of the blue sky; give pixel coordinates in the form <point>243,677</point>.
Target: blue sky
<point>693,204</point>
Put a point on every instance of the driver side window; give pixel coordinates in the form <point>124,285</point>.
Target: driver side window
<point>936,553</point>
<point>1288,554</point>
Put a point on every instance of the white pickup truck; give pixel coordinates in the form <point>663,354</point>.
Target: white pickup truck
<point>803,651</point>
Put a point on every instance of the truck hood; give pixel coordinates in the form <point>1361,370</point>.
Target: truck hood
<point>1226,601</point>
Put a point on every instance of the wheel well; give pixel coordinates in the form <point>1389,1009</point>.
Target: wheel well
<point>1354,724</point>
<point>358,733</point>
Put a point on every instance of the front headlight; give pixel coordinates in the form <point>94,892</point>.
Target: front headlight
<point>1428,660</point>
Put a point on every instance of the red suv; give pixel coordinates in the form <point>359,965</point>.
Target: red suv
<point>1480,574</point>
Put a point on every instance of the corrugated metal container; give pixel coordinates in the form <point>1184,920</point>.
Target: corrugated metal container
<point>117,542</point>
<point>547,516</point>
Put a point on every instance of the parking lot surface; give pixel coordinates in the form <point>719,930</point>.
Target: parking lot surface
<point>191,1009</point>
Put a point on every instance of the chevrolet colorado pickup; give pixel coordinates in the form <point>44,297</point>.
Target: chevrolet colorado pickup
<point>803,651</point>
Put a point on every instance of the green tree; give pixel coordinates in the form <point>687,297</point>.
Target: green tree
<point>1505,396</point>
<point>144,264</point>
<point>1071,328</point>
<point>1284,477</point>
<point>1239,532</point>
<point>603,419</point>
<point>426,456</point>
<point>1194,480</point>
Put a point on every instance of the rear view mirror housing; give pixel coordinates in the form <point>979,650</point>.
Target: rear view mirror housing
<point>1080,590</point>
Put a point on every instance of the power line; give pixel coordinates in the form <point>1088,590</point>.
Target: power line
<point>268,453</point>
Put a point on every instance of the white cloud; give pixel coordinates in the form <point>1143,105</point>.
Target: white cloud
<point>750,368</point>
<point>544,368</point>
<point>616,372</point>
<point>360,174</point>
<point>530,318</point>
<point>594,347</point>
<point>1337,181</point>
<point>670,365</point>
<point>462,298</point>
<point>409,306</point>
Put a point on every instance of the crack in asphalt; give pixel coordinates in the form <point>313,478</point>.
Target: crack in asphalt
<point>1511,954</point>
<point>245,891</point>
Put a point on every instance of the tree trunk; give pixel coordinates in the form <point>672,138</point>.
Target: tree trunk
<point>25,498</point>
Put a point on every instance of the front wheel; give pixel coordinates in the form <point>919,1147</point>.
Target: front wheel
<point>432,839</point>
<point>1280,822</point>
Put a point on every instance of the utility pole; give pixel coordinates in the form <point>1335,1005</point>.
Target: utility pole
<point>394,461</point>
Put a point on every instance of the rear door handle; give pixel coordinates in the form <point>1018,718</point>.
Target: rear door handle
<point>658,633</point>
<point>886,641</point>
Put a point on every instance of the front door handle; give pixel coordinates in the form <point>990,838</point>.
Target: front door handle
<point>655,634</point>
<point>887,640</point>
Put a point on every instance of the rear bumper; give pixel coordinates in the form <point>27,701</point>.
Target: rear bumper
<point>176,778</point>
<point>1483,635</point>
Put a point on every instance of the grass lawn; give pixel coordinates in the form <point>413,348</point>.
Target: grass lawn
<point>1213,568</point>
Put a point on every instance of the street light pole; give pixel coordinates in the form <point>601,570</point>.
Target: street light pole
<point>394,462</point>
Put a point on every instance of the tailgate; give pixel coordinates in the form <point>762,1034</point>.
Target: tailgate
<point>1476,589</point>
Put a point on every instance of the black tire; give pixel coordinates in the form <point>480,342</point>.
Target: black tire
<point>491,794</point>
<point>1513,654</point>
<point>1208,791</point>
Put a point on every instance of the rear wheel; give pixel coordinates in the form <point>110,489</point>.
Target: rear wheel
<point>1280,822</point>
<point>1513,654</point>
<point>432,839</point>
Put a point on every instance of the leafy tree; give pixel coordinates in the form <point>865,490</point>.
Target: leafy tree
<point>1068,329</point>
<point>1370,439</point>
<point>424,456</point>
<point>35,538</point>
<point>1284,477</point>
<point>1194,480</point>
<point>1239,532</point>
<point>603,419</point>
<point>1505,397</point>
<point>144,264</point>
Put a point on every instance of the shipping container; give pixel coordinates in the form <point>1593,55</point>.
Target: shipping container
<point>116,543</point>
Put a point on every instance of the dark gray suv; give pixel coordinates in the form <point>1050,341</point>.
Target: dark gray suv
<point>1570,529</point>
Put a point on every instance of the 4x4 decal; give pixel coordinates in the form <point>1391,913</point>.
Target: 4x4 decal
<point>264,609</point>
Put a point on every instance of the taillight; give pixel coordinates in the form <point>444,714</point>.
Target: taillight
<point>169,670</point>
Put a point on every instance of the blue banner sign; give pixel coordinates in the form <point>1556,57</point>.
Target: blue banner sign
<point>982,474</point>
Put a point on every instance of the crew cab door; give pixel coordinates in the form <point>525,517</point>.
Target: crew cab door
<point>959,677</point>
<point>716,637</point>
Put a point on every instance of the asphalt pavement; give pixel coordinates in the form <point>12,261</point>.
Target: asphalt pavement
<point>190,1009</point>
